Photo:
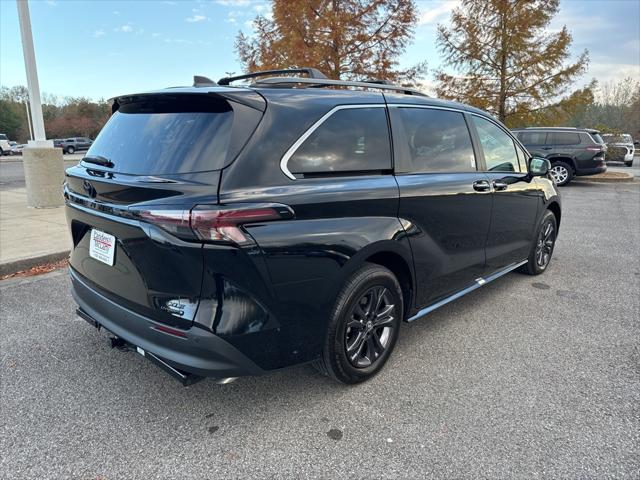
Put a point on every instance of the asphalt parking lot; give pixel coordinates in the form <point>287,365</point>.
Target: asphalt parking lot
<point>12,170</point>
<point>528,377</point>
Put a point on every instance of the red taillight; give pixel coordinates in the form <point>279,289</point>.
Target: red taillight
<point>214,222</point>
<point>223,224</point>
<point>597,148</point>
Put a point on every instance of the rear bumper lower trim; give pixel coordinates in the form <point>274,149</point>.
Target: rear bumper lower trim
<point>200,352</point>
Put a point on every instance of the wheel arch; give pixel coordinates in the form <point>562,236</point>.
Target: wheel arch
<point>400,268</point>
<point>567,160</point>
<point>555,208</point>
<point>391,254</point>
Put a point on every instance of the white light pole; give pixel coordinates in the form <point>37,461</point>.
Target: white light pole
<point>26,107</point>
<point>43,164</point>
<point>32,74</point>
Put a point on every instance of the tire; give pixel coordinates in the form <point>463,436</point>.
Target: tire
<point>70,150</point>
<point>629,163</point>
<point>1,152</point>
<point>562,173</point>
<point>542,240</point>
<point>352,337</point>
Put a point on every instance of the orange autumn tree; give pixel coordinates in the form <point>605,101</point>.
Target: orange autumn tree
<point>345,39</point>
<point>508,61</point>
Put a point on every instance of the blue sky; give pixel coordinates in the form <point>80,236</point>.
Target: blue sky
<point>104,48</point>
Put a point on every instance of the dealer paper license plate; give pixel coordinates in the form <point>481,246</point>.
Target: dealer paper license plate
<point>102,247</point>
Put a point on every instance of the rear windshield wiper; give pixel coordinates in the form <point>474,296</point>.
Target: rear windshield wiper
<point>98,160</point>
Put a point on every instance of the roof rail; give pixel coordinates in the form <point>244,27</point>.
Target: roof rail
<point>381,84</point>
<point>312,72</point>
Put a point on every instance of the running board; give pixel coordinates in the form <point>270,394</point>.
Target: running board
<point>479,282</point>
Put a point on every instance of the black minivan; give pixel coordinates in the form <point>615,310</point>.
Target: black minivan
<point>223,230</point>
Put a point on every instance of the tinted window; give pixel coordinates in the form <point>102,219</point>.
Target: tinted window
<point>163,137</point>
<point>563,138</point>
<point>532,138</point>
<point>3,136</point>
<point>598,138</point>
<point>350,140</point>
<point>499,150</point>
<point>439,140</point>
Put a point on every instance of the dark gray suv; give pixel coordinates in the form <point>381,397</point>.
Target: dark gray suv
<point>73,144</point>
<point>571,151</point>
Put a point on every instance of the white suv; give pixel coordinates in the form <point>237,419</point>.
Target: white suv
<point>5,148</point>
<point>620,148</point>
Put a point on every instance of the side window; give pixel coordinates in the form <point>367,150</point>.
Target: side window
<point>563,138</point>
<point>532,138</point>
<point>439,140</point>
<point>350,140</point>
<point>499,150</point>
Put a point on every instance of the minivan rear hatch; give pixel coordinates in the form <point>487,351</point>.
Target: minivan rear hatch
<point>160,152</point>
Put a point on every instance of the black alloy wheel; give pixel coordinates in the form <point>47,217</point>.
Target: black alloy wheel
<point>370,329</point>
<point>363,326</point>
<point>542,246</point>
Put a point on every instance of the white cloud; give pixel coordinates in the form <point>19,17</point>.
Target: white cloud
<point>167,2</point>
<point>433,14</point>
<point>606,72</point>
<point>260,7</point>
<point>52,3</point>
<point>156,34</point>
<point>99,33</point>
<point>124,28</point>
<point>234,3</point>
<point>116,12</point>
<point>196,18</point>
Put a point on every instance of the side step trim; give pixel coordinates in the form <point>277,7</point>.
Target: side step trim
<point>479,282</point>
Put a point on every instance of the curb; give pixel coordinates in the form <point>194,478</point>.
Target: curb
<point>623,178</point>
<point>26,263</point>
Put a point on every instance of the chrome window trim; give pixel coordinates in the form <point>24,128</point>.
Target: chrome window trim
<point>434,107</point>
<point>289,153</point>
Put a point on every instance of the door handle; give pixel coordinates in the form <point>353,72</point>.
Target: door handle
<point>481,186</point>
<point>500,185</point>
<point>546,148</point>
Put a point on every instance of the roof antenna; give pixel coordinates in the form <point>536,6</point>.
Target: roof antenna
<point>199,81</point>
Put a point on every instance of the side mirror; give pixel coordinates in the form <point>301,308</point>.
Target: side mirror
<point>539,167</point>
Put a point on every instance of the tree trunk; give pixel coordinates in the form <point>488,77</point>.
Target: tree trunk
<point>502,97</point>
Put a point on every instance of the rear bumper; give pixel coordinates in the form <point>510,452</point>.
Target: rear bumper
<point>199,352</point>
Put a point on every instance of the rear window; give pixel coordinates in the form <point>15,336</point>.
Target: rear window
<point>167,136</point>
<point>532,138</point>
<point>598,138</point>
<point>3,136</point>
<point>563,138</point>
<point>350,140</point>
